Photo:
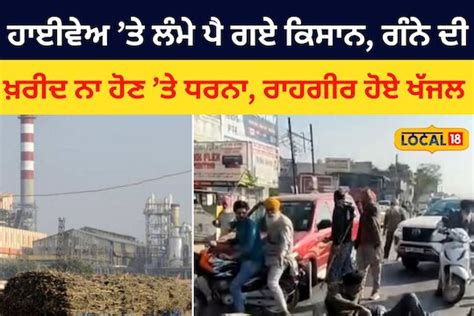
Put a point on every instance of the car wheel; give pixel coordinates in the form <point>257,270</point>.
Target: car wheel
<point>304,286</point>
<point>410,263</point>
<point>314,273</point>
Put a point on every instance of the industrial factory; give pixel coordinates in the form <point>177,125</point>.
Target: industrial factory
<point>104,251</point>
<point>166,251</point>
<point>168,244</point>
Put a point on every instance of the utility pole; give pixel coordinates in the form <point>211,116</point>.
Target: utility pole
<point>293,162</point>
<point>397,177</point>
<point>312,148</point>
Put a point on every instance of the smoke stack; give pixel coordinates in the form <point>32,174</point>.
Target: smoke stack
<point>27,161</point>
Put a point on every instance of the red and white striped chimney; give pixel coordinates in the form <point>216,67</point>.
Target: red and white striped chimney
<point>27,160</point>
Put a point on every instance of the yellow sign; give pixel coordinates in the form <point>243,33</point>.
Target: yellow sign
<point>432,139</point>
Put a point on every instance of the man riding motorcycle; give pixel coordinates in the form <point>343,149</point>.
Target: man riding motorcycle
<point>248,250</point>
<point>218,275</point>
<point>460,219</point>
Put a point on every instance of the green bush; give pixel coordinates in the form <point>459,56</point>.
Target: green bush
<point>10,268</point>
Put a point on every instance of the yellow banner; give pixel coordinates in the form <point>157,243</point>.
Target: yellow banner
<point>236,87</point>
<point>432,139</point>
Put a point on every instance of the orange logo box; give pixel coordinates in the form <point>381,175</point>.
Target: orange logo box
<point>432,139</point>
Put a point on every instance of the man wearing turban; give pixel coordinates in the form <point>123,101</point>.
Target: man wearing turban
<point>278,247</point>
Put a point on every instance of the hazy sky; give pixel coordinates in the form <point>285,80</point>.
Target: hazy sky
<point>88,152</point>
<point>372,138</point>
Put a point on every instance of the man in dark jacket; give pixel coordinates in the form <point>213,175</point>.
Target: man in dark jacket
<point>463,217</point>
<point>369,241</point>
<point>341,237</point>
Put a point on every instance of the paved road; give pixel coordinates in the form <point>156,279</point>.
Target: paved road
<point>396,281</point>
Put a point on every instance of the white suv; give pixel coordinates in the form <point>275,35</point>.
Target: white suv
<point>417,239</point>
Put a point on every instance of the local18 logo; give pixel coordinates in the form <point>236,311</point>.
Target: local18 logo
<point>432,139</point>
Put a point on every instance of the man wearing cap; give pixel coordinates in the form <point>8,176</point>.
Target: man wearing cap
<point>278,246</point>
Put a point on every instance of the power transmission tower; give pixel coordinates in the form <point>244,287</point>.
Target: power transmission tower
<point>60,243</point>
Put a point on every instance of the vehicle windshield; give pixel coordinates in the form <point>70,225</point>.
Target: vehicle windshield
<point>442,207</point>
<point>299,212</point>
<point>384,203</point>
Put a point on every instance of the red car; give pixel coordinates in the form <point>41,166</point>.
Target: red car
<point>311,215</point>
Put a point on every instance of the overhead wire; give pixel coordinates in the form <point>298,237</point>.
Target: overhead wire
<point>109,188</point>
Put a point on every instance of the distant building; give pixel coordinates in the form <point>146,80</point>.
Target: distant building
<point>106,252</point>
<point>356,182</point>
<point>326,171</point>
<point>258,159</point>
<point>6,202</point>
<point>6,209</point>
<point>15,243</point>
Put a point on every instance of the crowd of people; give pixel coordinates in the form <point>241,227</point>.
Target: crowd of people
<point>345,279</point>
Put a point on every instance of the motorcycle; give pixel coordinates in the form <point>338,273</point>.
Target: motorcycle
<point>455,269</point>
<point>214,275</point>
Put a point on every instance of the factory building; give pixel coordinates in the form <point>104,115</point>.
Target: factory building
<point>7,215</point>
<point>106,252</point>
<point>168,243</point>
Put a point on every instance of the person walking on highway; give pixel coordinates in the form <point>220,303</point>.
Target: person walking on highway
<point>343,299</point>
<point>278,247</point>
<point>249,252</point>
<point>369,241</point>
<point>226,217</point>
<point>394,216</point>
<point>341,237</point>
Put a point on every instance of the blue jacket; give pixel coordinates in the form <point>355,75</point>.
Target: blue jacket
<point>249,243</point>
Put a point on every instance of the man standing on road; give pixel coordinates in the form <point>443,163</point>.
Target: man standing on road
<point>463,218</point>
<point>394,216</point>
<point>343,300</point>
<point>279,245</point>
<point>341,237</point>
<point>225,218</point>
<point>369,242</point>
<point>249,252</point>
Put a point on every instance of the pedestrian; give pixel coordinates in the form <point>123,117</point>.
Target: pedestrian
<point>249,252</point>
<point>369,242</point>
<point>463,218</point>
<point>341,237</point>
<point>225,218</point>
<point>406,208</point>
<point>411,209</point>
<point>394,216</point>
<point>343,299</point>
<point>278,248</point>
